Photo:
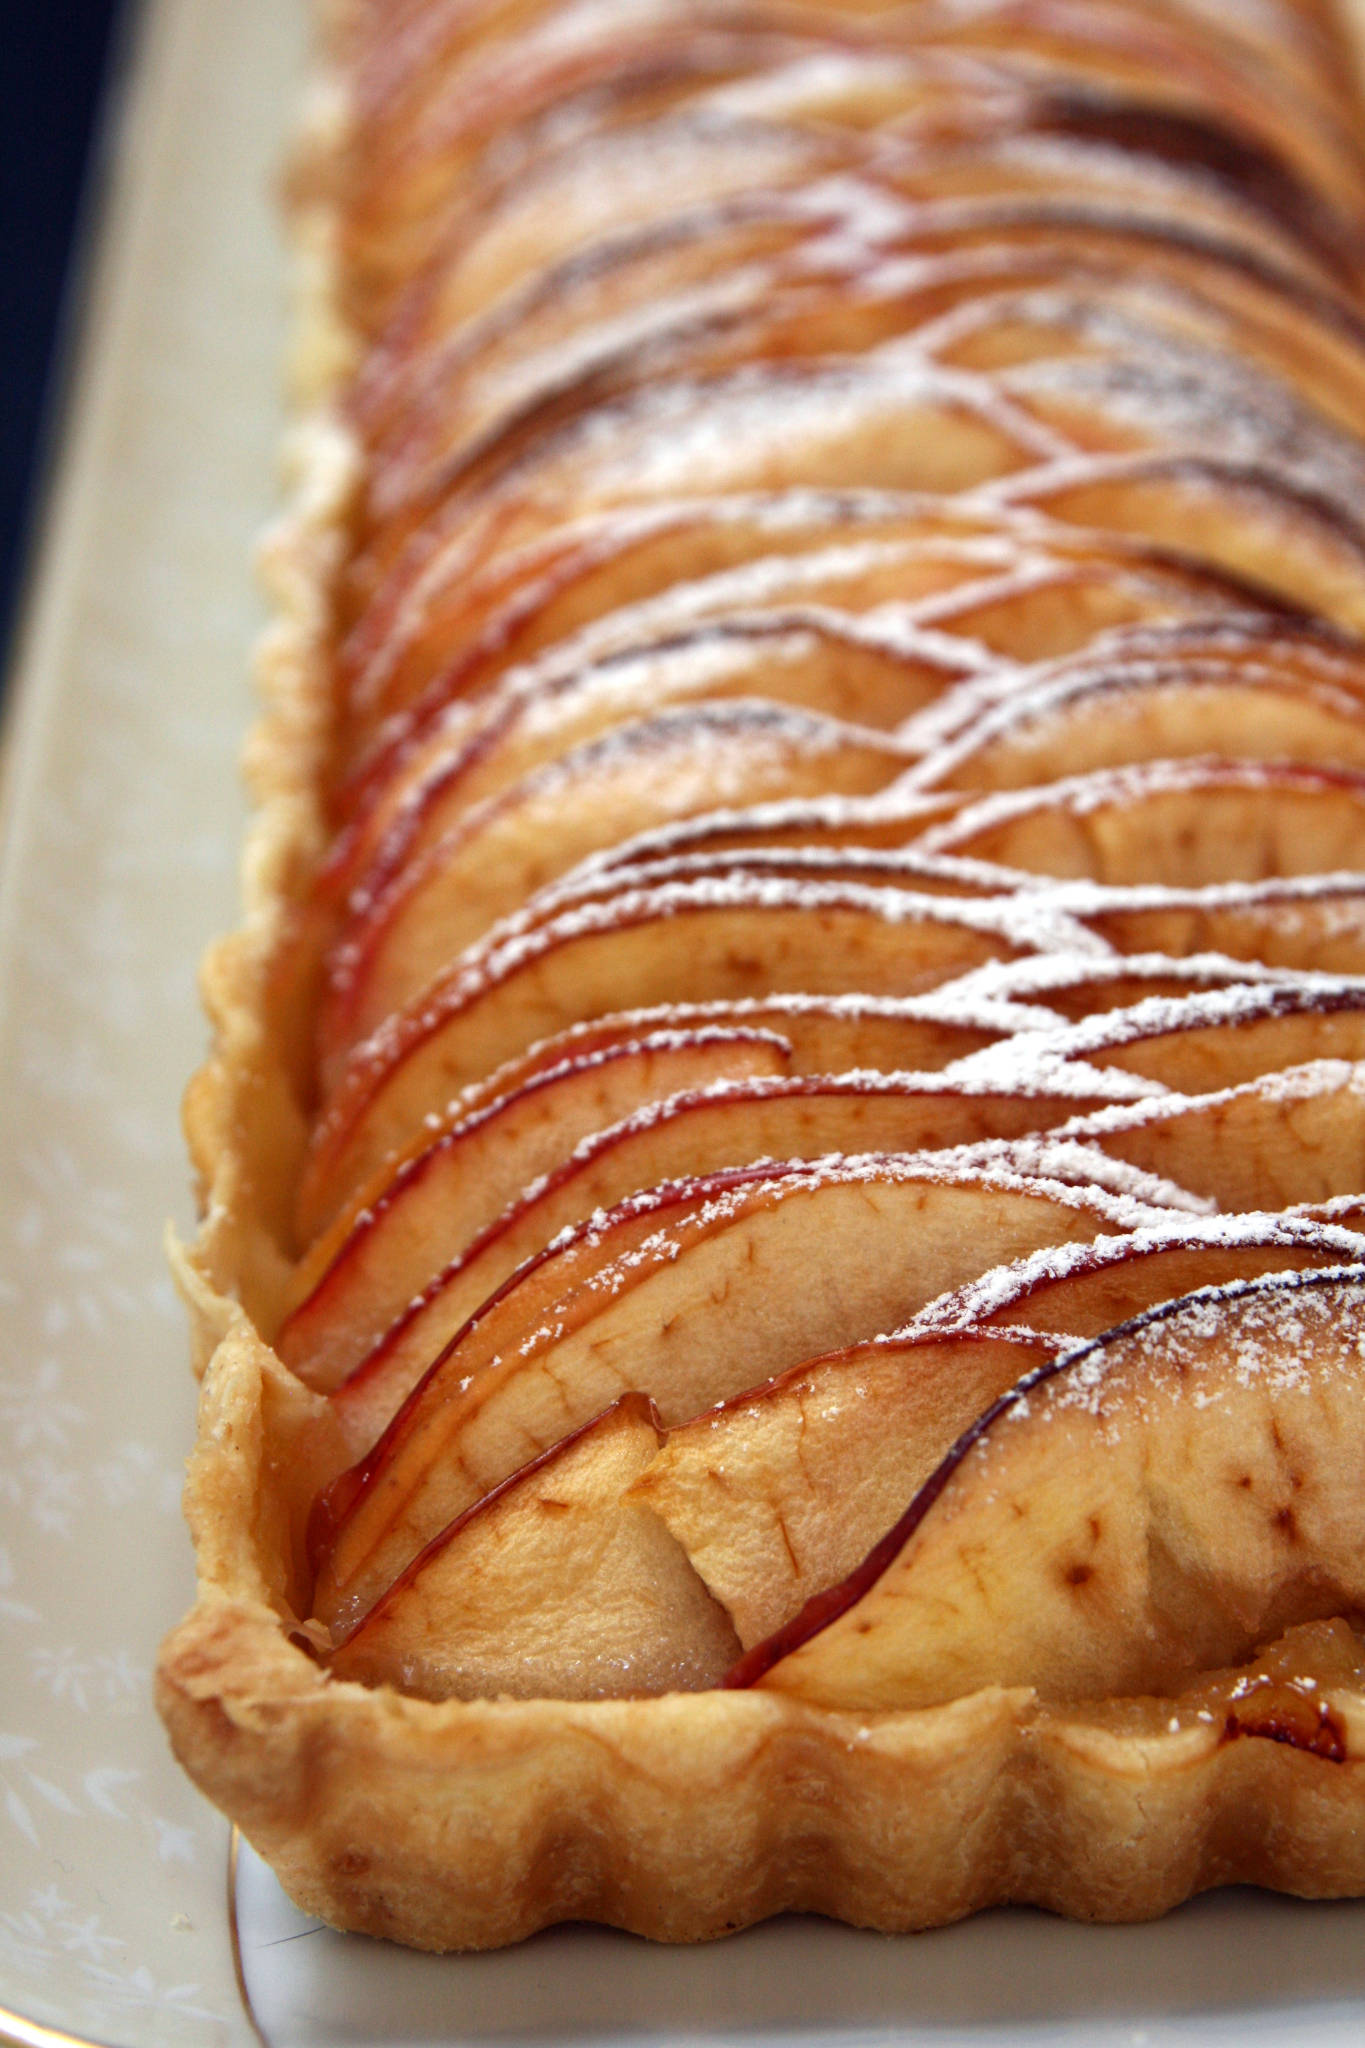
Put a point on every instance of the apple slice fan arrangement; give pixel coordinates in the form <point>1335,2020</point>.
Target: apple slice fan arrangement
<point>782,1281</point>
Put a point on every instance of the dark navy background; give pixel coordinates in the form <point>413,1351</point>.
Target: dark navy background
<point>53,59</point>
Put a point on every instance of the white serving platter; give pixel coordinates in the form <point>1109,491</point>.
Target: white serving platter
<point>122,818</point>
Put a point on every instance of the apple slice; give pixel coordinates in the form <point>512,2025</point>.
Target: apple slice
<point>455,1182</point>
<point>887,419</point>
<point>561,352</point>
<point>1230,513</point>
<point>516,232</point>
<point>1042,990</point>
<point>1316,922</point>
<point>1162,1501</point>
<point>372,981</point>
<point>1078,988</point>
<point>778,1493</point>
<point>874,628</point>
<point>892,821</point>
<point>1179,823</point>
<point>879,671</point>
<point>1064,363</point>
<point>1084,722</point>
<point>747,936</point>
<point>622,580</point>
<point>409,1277</point>
<point>809,658</point>
<point>512,229</point>
<point>586,330</point>
<point>810,1035</point>
<point>1082,1290</point>
<point>403,196</point>
<point>1284,1138</point>
<point>557,1585</point>
<point>410,162</point>
<point>764,250</point>
<point>531,226</point>
<point>1183,822</point>
<point>1007,236</point>
<point>685,1294</point>
<point>1193,1042</point>
<point>1305,924</point>
<point>495,856</point>
<point>612,579</point>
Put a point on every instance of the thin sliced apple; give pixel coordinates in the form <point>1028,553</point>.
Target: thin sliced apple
<point>1078,989</point>
<point>1303,924</point>
<point>1083,1290</point>
<point>557,356</point>
<point>873,629</point>
<point>1313,923</point>
<point>808,656</point>
<point>776,1494</point>
<point>747,935</point>
<point>1284,1138</point>
<point>834,863</point>
<point>451,1185</point>
<point>891,821</point>
<point>406,196</point>
<point>812,1035</point>
<point>634,580</point>
<point>619,284</point>
<point>410,1276</point>
<point>685,1294</point>
<point>879,670</point>
<point>1149,158</point>
<point>887,419</point>
<point>1193,1042</point>
<point>512,230</point>
<point>688,556</point>
<point>1041,987</point>
<point>495,856</point>
<point>1009,236</point>
<point>779,1493</point>
<point>1229,513</point>
<point>1181,824</point>
<point>1160,1502</point>
<point>718,940</point>
<point>557,1585</point>
<point>1177,823</point>
<point>1065,364</point>
<point>1090,721</point>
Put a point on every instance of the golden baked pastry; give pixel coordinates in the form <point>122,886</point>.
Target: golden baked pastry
<point>782,1281</point>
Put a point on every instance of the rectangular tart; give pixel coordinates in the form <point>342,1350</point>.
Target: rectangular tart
<point>781,1292</point>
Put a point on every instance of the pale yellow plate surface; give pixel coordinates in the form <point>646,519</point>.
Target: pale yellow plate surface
<point>122,819</point>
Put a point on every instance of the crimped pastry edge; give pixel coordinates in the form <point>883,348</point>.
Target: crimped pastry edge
<point>470,1825</point>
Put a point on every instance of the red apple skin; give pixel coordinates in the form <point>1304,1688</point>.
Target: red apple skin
<point>592,1282</point>
<point>831,1605</point>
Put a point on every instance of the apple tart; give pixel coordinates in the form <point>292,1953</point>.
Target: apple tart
<point>781,1294</point>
